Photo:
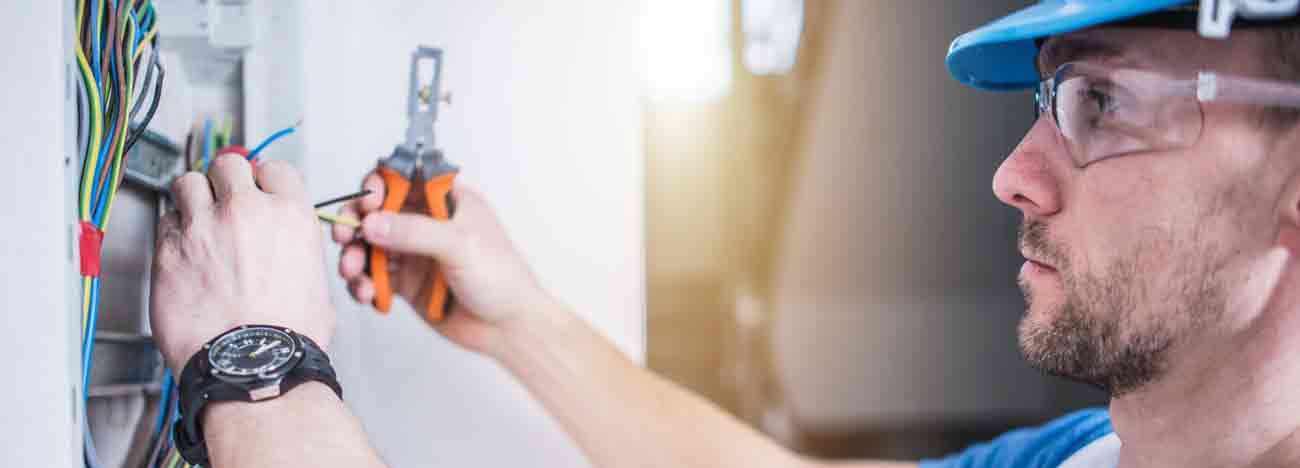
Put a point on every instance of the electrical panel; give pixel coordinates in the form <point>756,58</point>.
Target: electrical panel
<point>232,77</point>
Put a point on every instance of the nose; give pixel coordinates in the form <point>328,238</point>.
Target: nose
<point>1025,180</point>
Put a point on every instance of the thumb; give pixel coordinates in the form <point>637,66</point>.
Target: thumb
<point>411,234</point>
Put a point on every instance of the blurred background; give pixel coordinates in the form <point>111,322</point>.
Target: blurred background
<point>825,257</point>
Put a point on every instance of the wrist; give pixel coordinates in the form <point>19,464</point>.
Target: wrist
<point>223,415</point>
<point>228,426</point>
<point>547,318</point>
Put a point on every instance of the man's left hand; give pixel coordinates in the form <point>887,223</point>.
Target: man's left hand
<point>242,247</point>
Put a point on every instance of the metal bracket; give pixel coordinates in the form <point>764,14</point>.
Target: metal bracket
<point>124,364</point>
<point>154,162</point>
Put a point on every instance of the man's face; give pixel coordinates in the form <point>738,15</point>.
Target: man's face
<point>1135,260</point>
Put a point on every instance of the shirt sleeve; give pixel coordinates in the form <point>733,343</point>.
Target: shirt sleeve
<point>1045,446</point>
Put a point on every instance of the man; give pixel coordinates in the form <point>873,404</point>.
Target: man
<point>1160,188</point>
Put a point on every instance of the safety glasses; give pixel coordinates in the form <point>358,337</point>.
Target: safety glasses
<point>1102,112</point>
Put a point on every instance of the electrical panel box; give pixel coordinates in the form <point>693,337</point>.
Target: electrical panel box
<point>233,77</point>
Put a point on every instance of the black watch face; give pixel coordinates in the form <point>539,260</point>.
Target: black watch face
<point>252,351</point>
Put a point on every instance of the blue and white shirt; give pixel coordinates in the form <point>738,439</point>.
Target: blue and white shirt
<point>1084,439</point>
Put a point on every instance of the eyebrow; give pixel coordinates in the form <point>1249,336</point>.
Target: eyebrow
<point>1061,50</point>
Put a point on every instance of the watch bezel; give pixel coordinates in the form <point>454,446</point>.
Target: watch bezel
<point>262,379</point>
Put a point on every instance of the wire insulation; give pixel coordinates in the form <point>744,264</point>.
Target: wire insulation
<point>207,143</point>
<point>257,150</point>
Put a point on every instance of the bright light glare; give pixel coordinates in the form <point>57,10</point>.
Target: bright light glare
<point>772,29</point>
<point>687,49</point>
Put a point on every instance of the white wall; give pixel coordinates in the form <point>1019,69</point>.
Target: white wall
<point>36,311</point>
<point>546,122</point>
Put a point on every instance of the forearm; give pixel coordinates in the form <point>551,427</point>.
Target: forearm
<point>621,414</point>
<point>308,426</point>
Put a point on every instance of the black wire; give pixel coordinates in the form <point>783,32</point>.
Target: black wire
<point>343,198</point>
<point>90,454</point>
<point>153,107</point>
<point>159,439</point>
<point>148,80</point>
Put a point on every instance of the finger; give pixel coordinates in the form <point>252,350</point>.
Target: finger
<point>468,199</point>
<point>362,289</point>
<point>412,233</point>
<point>230,174</point>
<point>279,178</point>
<point>192,194</point>
<point>343,233</point>
<point>375,199</point>
<point>352,262</point>
<point>167,231</point>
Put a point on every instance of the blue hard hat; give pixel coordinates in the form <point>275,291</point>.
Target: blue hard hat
<point>1001,55</point>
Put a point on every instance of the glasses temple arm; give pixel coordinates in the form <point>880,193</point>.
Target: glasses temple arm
<point>1213,87</point>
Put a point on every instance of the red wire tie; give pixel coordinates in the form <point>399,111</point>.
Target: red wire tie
<point>91,239</point>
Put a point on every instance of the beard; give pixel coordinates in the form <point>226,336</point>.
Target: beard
<point>1095,334</point>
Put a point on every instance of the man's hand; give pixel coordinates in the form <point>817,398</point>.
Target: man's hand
<point>493,287</point>
<point>234,254</point>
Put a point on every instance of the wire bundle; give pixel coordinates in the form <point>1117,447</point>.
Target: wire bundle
<point>112,37</point>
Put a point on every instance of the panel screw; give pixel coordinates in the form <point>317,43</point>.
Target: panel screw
<point>425,94</point>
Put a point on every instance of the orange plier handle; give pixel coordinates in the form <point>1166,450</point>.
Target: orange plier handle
<point>437,194</point>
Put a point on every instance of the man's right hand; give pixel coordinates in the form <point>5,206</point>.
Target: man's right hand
<point>618,412</point>
<point>494,288</point>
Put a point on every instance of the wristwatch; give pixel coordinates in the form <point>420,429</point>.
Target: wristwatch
<point>247,363</point>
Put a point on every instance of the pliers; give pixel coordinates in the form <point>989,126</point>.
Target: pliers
<point>418,156</point>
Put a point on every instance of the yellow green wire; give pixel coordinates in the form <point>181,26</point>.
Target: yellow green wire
<point>225,132</point>
<point>336,219</point>
<point>81,11</point>
<point>96,131</point>
<point>85,305</point>
<point>153,30</point>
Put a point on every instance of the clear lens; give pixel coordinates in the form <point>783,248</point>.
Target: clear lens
<point>1102,113</point>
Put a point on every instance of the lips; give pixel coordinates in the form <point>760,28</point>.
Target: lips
<point>1037,262</point>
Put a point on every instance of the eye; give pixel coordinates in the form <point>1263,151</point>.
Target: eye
<point>1100,99</point>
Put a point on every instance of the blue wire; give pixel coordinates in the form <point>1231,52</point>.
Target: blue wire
<point>93,15</point>
<point>166,396</point>
<point>135,38</point>
<point>252,155</point>
<point>207,143</point>
<point>88,345</point>
<point>100,192</point>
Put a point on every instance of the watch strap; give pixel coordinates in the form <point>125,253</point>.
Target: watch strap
<point>315,366</point>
